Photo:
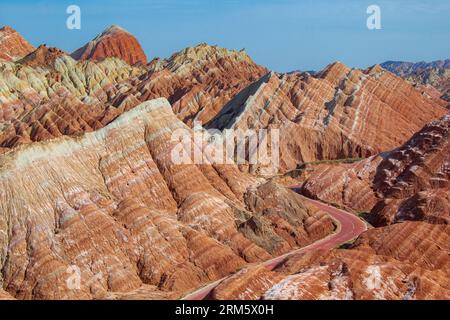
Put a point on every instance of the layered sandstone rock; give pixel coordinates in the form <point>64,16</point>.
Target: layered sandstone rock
<point>108,215</point>
<point>198,81</point>
<point>408,183</point>
<point>432,78</point>
<point>48,94</point>
<point>404,261</point>
<point>338,113</point>
<point>42,57</point>
<point>113,42</point>
<point>12,45</point>
<point>66,97</point>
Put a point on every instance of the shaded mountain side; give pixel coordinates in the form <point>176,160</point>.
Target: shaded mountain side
<point>411,182</point>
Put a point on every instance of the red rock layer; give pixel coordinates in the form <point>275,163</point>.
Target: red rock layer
<point>198,81</point>
<point>5,295</point>
<point>432,78</point>
<point>113,42</point>
<point>112,206</point>
<point>42,56</point>
<point>403,261</point>
<point>411,182</point>
<point>347,185</point>
<point>47,94</point>
<point>339,113</point>
<point>12,45</point>
<point>60,96</point>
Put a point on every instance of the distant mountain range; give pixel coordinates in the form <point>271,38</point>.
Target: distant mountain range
<point>404,69</point>
<point>435,74</point>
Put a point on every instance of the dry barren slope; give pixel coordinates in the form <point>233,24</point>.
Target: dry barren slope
<point>408,183</point>
<point>112,204</point>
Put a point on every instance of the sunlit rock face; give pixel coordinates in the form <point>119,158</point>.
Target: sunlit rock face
<point>112,204</point>
<point>113,42</point>
<point>198,81</point>
<point>407,183</point>
<point>337,113</point>
<point>92,205</point>
<point>405,261</point>
<point>432,79</point>
<point>47,93</point>
<point>12,45</point>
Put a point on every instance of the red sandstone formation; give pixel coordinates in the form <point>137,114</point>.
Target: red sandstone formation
<point>198,81</point>
<point>47,94</point>
<point>112,205</point>
<point>426,76</point>
<point>113,42</point>
<point>338,113</point>
<point>42,57</point>
<point>12,45</point>
<point>403,261</point>
<point>408,183</point>
<point>97,92</point>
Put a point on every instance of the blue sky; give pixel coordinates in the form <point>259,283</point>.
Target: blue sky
<point>283,35</point>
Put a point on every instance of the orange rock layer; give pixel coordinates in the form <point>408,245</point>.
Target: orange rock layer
<point>12,45</point>
<point>411,182</point>
<point>108,215</point>
<point>338,113</point>
<point>393,263</point>
<point>113,42</point>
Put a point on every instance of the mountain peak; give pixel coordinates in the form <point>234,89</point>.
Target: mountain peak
<point>42,56</point>
<point>193,57</point>
<point>114,41</point>
<point>12,45</point>
<point>7,29</point>
<point>112,30</point>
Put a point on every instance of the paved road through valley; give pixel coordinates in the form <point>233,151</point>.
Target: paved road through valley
<point>350,227</point>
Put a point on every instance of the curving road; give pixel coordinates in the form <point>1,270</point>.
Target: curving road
<point>349,227</point>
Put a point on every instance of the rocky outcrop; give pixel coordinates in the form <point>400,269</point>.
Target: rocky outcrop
<point>408,183</point>
<point>198,81</point>
<point>432,78</point>
<point>347,185</point>
<point>12,45</point>
<point>49,94</point>
<point>406,261</point>
<point>42,57</point>
<point>413,182</point>
<point>108,215</point>
<point>337,113</point>
<point>113,42</point>
<point>423,244</point>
